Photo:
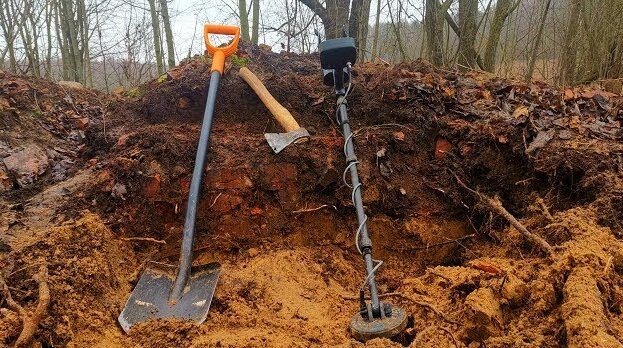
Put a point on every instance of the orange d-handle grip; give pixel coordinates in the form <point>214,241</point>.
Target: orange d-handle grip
<point>220,53</point>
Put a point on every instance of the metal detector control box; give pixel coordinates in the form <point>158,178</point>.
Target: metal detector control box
<point>334,55</point>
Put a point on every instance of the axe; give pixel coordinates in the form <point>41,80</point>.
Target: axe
<point>294,133</point>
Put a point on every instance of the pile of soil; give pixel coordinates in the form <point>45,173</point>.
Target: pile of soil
<point>434,147</point>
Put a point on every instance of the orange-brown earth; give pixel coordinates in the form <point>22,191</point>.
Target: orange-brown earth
<point>96,187</point>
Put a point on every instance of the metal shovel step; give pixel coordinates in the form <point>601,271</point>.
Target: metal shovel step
<point>150,297</point>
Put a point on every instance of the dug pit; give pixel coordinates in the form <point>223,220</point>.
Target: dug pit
<point>436,148</point>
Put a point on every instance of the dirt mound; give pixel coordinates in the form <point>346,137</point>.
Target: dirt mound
<point>43,127</point>
<point>88,274</point>
<point>435,148</point>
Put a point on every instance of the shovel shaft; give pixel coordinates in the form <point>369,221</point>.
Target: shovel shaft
<point>186,255</point>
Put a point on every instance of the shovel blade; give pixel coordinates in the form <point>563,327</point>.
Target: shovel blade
<point>150,297</point>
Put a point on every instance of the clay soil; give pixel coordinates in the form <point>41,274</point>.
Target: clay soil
<point>432,144</point>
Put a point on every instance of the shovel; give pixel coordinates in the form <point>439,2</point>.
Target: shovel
<point>186,294</point>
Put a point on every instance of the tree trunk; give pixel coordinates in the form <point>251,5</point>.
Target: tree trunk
<point>377,23</point>
<point>49,12</point>
<point>244,20</point>
<point>362,45</point>
<point>468,11</point>
<point>534,52</point>
<point>155,24</point>
<point>334,17</point>
<point>503,9</point>
<point>434,32</point>
<point>256,22</point>
<point>568,59</point>
<point>396,29</point>
<point>72,40</point>
<point>85,52</point>
<point>168,33</point>
<point>61,38</point>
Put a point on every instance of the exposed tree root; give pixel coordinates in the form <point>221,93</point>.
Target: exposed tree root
<point>30,319</point>
<point>495,205</point>
<point>586,322</point>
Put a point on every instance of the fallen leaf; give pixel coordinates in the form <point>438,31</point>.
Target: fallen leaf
<point>541,140</point>
<point>486,267</point>
<point>568,94</point>
<point>521,111</point>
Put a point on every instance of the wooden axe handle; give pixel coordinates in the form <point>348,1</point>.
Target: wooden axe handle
<point>281,114</point>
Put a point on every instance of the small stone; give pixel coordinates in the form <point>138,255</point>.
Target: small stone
<point>184,103</point>
<point>81,123</point>
<point>485,314</point>
<point>152,187</point>
<point>400,136</point>
<point>515,290</point>
<point>27,165</point>
<point>381,153</point>
<point>123,140</point>
<point>253,252</point>
<point>442,146</point>
<point>119,191</point>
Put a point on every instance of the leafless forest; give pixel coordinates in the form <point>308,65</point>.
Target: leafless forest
<point>110,43</point>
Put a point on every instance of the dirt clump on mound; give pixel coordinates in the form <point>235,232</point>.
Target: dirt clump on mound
<point>435,147</point>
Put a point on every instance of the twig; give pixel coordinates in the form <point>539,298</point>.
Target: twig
<point>495,205</point>
<point>215,199</point>
<point>545,209</point>
<point>607,266</point>
<point>144,239</point>
<point>451,335</point>
<point>309,210</point>
<point>30,321</point>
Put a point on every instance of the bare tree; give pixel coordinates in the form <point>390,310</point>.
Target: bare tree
<point>534,52</point>
<point>166,22</point>
<point>433,24</point>
<point>244,20</point>
<point>256,21</point>
<point>155,24</point>
<point>468,11</point>
<point>568,62</point>
<point>503,9</point>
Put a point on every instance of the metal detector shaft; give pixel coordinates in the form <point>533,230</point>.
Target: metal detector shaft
<point>366,242</point>
<point>186,254</point>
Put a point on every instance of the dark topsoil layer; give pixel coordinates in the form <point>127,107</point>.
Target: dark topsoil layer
<point>283,225</point>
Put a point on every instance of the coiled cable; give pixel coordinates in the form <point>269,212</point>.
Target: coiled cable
<point>341,102</point>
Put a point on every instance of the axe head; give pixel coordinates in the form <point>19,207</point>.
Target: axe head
<point>279,141</point>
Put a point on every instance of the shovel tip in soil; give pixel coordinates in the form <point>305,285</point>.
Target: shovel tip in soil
<point>150,298</point>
